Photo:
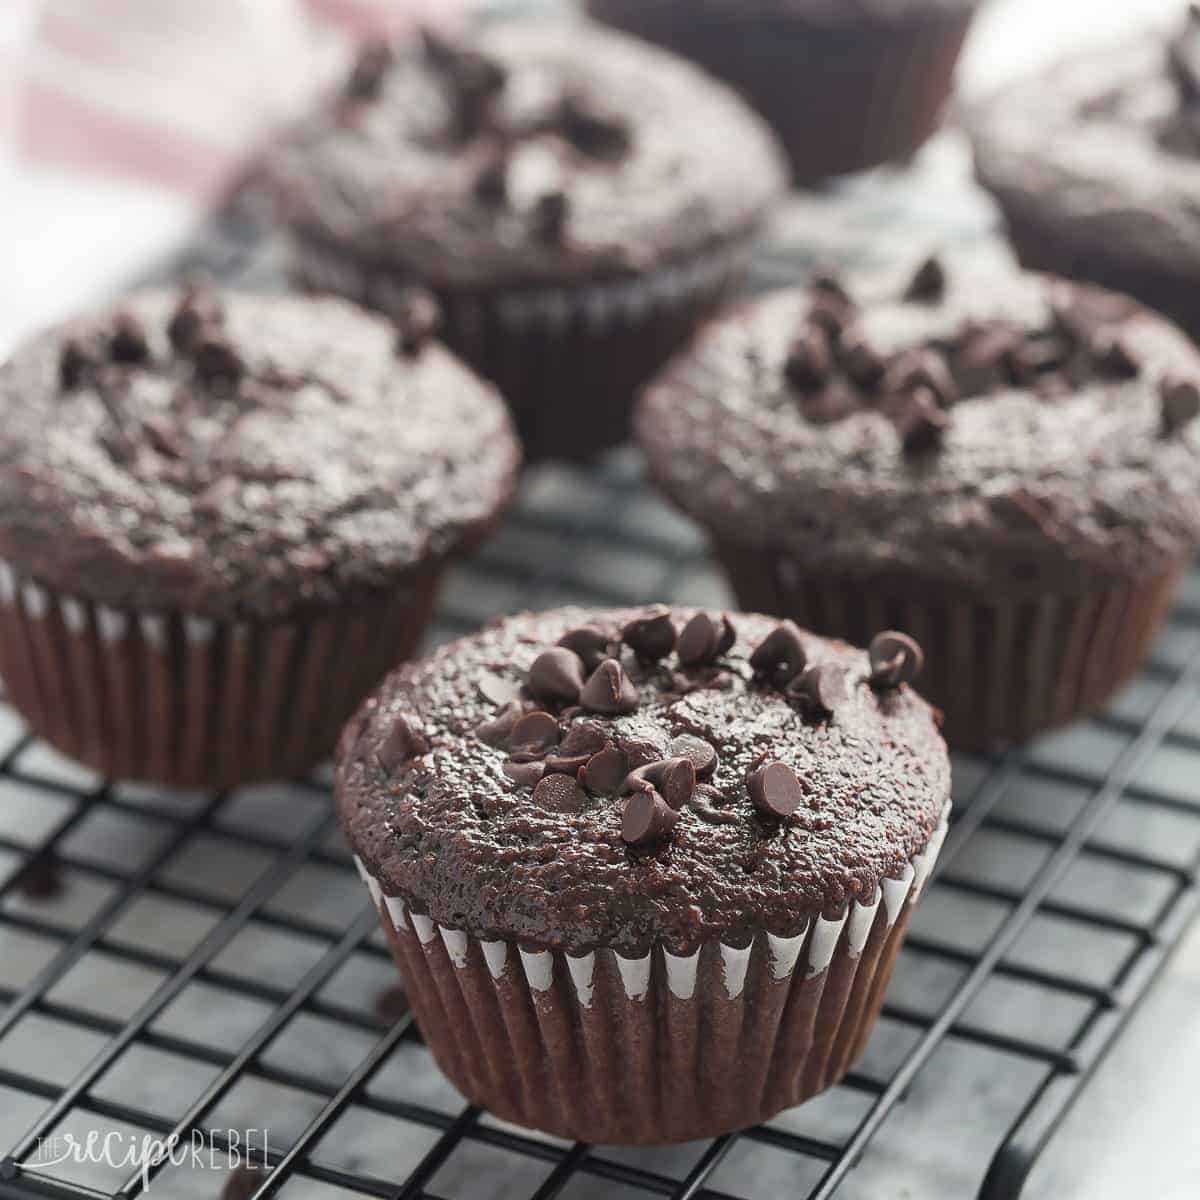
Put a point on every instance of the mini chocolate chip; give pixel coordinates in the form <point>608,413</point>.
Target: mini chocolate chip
<point>497,689</point>
<point>565,764</point>
<point>652,635</point>
<point>403,742</point>
<point>822,688</point>
<point>217,362</point>
<point>704,640</point>
<point>437,47</point>
<point>861,361</point>
<point>829,314</point>
<point>556,674</point>
<point>199,308</point>
<point>246,1180</point>
<point>895,658</point>
<point>808,363</point>
<point>830,285</point>
<point>698,752</point>
<point>774,790</point>
<point>41,880</point>
<point>609,690</point>
<point>497,731</point>
<point>1068,322</point>
<point>584,737</point>
<point>678,782</point>
<point>780,656</point>
<point>1114,358</point>
<point>370,70</point>
<point>592,645</point>
<point>916,369</point>
<point>605,770</point>
<point>982,361</point>
<point>535,733</point>
<point>417,316</point>
<point>647,819</point>
<point>550,215</point>
<point>928,284</point>
<point>598,135</point>
<point>73,364</point>
<point>1180,403</point>
<point>524,774</point>
<point>128,343</point>
<point>922,427</point>
<point>491,180</point>
<point>560,793</point>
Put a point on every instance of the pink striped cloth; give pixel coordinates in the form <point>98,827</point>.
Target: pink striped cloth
<point>175,93</point>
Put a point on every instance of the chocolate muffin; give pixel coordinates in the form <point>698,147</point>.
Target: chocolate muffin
<point>845,85</point>
<point>576,199</point>
<point>223,517</point>
<point>614,850</point>
<point>1005,465</point>
<point>1094,163</point>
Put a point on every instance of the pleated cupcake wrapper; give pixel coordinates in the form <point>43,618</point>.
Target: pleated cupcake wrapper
<point>1000,671</point>
<point>664,1047</point>
<point>189,701</point>
<point>568,360</point>
<point>839,99</point>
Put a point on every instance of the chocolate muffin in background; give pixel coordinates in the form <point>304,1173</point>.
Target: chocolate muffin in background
<point>846,85</point>
<point>577,200</point>
<point>617,851</point>
<point>1005,465</point>
<point>1095,163</point>
<point>223,518</point>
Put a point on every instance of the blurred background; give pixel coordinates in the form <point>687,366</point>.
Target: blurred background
<point>123,122</point>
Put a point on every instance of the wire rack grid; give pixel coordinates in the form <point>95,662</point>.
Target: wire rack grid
<point>190,964</point>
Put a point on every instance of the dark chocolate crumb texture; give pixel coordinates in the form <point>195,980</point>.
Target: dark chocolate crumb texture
<point>583,778</point>
<point>222,454</point>
<point>969,426</point>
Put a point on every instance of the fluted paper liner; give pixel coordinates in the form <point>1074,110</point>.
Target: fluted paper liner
<point>192,702</point>
<point>568,360</point>
<point>599,1047</point>
<point>1001,671</point>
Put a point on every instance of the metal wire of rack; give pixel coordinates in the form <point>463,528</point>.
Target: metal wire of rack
<point>182,963</point>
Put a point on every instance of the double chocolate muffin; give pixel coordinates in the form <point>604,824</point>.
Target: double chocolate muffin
<point>1005,465</point>
<point>646,872</point>
<point>1095,164</point>
<point>223,517</point>
<point>846,84</point>
<point>576,199</point>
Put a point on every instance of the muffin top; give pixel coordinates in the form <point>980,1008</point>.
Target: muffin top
<point>533,155</point>
<point>584,778</point>
<point>1107,142</point>
<point>230,455</point>
<point>1003,428</point>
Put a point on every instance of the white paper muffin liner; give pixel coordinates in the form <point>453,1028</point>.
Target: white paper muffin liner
<point>189,701</point>
<point>665,1047</point>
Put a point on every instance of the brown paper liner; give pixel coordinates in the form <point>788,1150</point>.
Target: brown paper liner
<point>666,1049</point>
<point>839,99</point>
<point>1001,671</point>
<point>197,703</point>
<point>569,361</point>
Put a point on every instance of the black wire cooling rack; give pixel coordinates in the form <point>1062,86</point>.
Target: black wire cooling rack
<point>189,964</point>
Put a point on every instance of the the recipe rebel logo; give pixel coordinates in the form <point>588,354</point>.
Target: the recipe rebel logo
<point>212,1150</point>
